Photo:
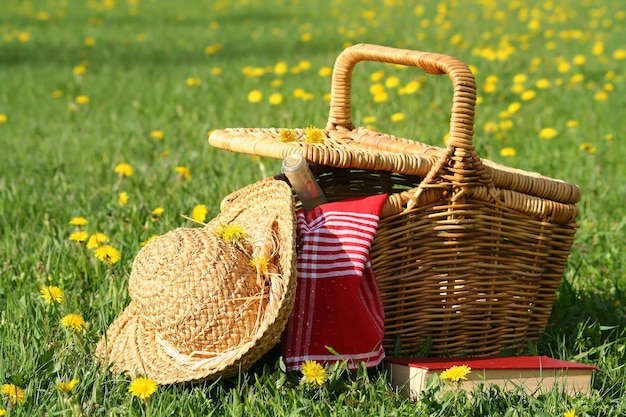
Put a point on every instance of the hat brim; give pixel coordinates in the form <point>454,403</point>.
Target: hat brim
<point>131,346</point>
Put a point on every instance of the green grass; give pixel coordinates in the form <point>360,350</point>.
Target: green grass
<point>57,161</point>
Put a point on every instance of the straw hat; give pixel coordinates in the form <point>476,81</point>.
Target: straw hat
<point>210,301</point>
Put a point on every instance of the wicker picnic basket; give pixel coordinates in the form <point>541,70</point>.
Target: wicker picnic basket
<point>469,253</point>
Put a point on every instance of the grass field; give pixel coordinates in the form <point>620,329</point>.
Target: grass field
<point>86,86</point>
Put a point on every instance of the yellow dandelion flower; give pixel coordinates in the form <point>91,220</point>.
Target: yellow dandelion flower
<point>580,60</point>
<point>313,373</point>
<point>276,83</point>
<point>230,233</point>
<point>489,88</point>
<point>325,71</point>
<point>528,95</point>
<point>78,221</point>
<point>519,78</point>
<point>377,76</point>
<point>608,137</point>
<point>381,97</point>
<point>619,54</point>
<point>107,254</point>
<point>14,393</point>
<point>577,78</point>
<point>52,294</point>
<point>572,124</point>
<point>3,118</point>
<point>123,169</point>
<point>601,96</point>
<point>67,386</point>
<point>193,82</point>
<point>542,83</point>
<point>506,124</point>
<point>514,107</point>
<point>588,147</point>
<point>79,70</point>
<point>563,67</point>
<point>255,96</point>
<point>23,36</point>
<point>142,388</point>
<point>304,65</point>
<point>74,322</point>
<point>79,236</point>
<point>314,135</point>
<point>157,211</point>
<point>455,373</point>
<point>216,70</point>
<point>411,87</point>
<point>507,152</point>
<point>183,172</point>
<point>157,134</point>
<point>569,413</point>
<point>298,92</point>
<point>548,133</point>
<point>212,49</point>
<point>122,198</point>
<point>288,135</point>
<point>518,88</point>
<point>491,127</point>
<point>3,412</point>
<point>150,239</point>
<point>260,262</point>
<point>598,48</point>
<point>369,120</point>
<point>281,68</point>
<point>82,99</point>
<point>275,99</point>
<point>96,240</point>
<point>57,93</point>
<point>199,213</point>
<point>392,82</point>
<point>397,117</point>
<point>376,88</point>
<point>89,41</point>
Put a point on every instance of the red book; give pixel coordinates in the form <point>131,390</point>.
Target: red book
<point>534,374</point>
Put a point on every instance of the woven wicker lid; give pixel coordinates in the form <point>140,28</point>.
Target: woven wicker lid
<point>209,301</point>
<point>347,146</point>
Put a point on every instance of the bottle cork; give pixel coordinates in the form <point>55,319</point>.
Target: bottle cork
<point>297,170</point>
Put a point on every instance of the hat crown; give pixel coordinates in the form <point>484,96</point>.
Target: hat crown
<point>195,302</point>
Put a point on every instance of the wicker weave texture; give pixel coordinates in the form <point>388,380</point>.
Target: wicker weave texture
<point>469,253</point>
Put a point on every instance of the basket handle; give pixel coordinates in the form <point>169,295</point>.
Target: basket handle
<point>463,101</point>
<point>459,166</point>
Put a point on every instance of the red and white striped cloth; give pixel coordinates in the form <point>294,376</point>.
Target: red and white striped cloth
<point>337,300</point>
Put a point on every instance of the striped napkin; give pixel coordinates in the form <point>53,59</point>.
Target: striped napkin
<point>337,301</point>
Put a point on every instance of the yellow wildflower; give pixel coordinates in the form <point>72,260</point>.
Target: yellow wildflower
<point>82,99</point>
<point>122,198</point>
<point>288,135</point>
<point>392,82</point>
<point>455,373</point>
<point>157,134</point>
<point>14,393</point>
<point>514,107</point>
<point>142,388</point>
<point>275,99</point>
<point>313,373</point>
<point>124,169</point>
<point>79,236</point>
<point>569,413</point>
<point>184,172</point>
<point>260,262</point>
<point>107,254</point>
<point>158,211</point>
<point>542,83</point>
<point>193,82</point>
<point>67,386</point>
<point>325,71</point>
<point>230,233</point>
<point>150,239</point>
<point>548,133</point>
<point>528,95</point>
<point>78,221</point>
<point>280,68</point>
<point>507,152</point>
<point>74,322</point>
<point>255,96</point>
<point>199,213</point>
<point>96,239</point>
<point>89,41</point>
<point>619,54</point>
<point>601,96</point>
<point>52,294</point>
<point>314,135</point>
<point>397,117</point>
<point>588,147</point>
<point>3,118</point>
<point>79,70</point>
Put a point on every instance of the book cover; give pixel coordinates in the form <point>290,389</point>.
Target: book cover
<point>534,374</point>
